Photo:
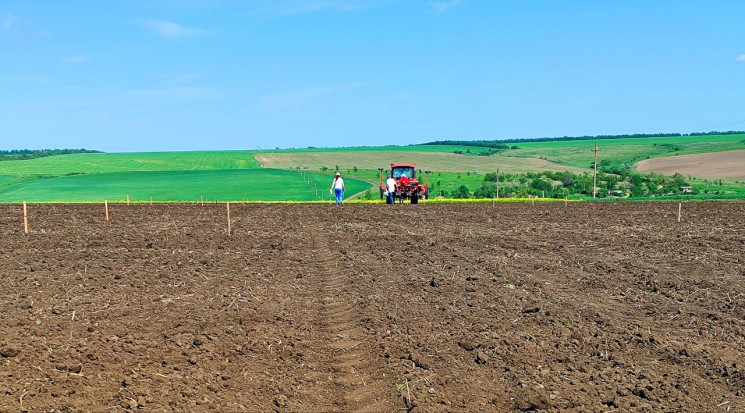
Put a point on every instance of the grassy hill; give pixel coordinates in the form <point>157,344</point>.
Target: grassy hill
<point>629,151</point>
<point>435,158</point>
<point>256,175</point>
<point>455,165</point>
<point>166,176</point>
<point>520,157</point>
<point>87,163</point>
<point>214,185</point>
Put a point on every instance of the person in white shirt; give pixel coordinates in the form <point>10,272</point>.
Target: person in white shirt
<point>390,185</point>
<point>338,188</point>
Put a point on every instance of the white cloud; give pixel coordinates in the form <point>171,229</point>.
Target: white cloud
<point>134,98</point>
<point>76,59</point>
<point>309,6</point>
<point>177,93</point>
<point>740,58</point>
<point>179,80</point>
<point>26,79</point>
<point>303,97</point>
<point>292,7</point>
<point>171,29</point>
<point>274,8</point>
<point>7,20</point>
<point>441,6</point>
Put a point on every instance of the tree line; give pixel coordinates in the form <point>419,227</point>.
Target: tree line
<point>502,143</point>
<point>22,154</point>
<point>618,182</point>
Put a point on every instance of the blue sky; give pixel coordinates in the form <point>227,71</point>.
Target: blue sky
<point>147,75</point>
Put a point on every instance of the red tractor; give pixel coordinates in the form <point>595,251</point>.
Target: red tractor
<point>407,186</point>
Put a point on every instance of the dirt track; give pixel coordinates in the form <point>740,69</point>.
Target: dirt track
<point>591,307</point>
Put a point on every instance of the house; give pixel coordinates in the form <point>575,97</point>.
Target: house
<point>686,189</point>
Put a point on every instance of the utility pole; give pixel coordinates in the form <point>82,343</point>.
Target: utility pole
<point>595,173</point>
<point>497,183</point>
<point>381,183</point>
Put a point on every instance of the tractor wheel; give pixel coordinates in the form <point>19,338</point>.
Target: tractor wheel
<point>414,198</point>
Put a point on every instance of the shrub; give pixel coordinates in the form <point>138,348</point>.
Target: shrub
<point>461,192</point>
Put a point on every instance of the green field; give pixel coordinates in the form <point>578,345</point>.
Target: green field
<point>4,180</point>
<point>214,185</point>
<point>166,176</point>
<point>628,150</point>
<point>86,163</point>
<point>425,160</point>
<point>440,182</point>
<point>529,156</point>
<point>238,175</point>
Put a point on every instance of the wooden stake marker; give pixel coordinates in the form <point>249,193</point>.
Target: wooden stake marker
<point>680,207</point>
<point>228,206</point>
<point>496,191</point>
<point>497,194</point>
<point>595,173</point>
<point>127,199</point>
<point>25,218</point>
<point>106,208</point>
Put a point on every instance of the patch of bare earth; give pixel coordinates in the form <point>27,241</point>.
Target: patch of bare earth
<point>440,161</point>
<point>585,307</point>
<point>724,165</point>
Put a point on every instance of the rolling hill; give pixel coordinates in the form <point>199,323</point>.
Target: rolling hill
<point>304,174</point>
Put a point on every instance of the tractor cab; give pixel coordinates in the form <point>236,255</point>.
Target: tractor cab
<point>407,186</point>
<point>403,171</point>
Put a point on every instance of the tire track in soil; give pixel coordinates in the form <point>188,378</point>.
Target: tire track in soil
<point>344,373</point>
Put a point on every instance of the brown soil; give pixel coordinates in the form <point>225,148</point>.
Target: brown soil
<point>724,165</point>
<point>588,307</point>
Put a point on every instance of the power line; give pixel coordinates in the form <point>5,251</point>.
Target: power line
<point>718,126</point>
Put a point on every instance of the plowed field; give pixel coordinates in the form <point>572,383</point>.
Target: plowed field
<point>726,165</point>
<point>585,307</point>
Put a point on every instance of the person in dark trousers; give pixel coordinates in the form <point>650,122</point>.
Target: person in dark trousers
<point>390,185</point>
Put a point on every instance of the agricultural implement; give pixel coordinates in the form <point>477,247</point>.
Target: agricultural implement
<point>407,186</point>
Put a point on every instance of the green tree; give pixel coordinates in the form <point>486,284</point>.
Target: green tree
<point>462,192</point>
<point>485,191</point>
<point>679,180</point>
<point>541,184</point>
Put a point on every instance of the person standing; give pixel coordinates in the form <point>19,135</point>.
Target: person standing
<point>390,185</point>
<point>337,187</point>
